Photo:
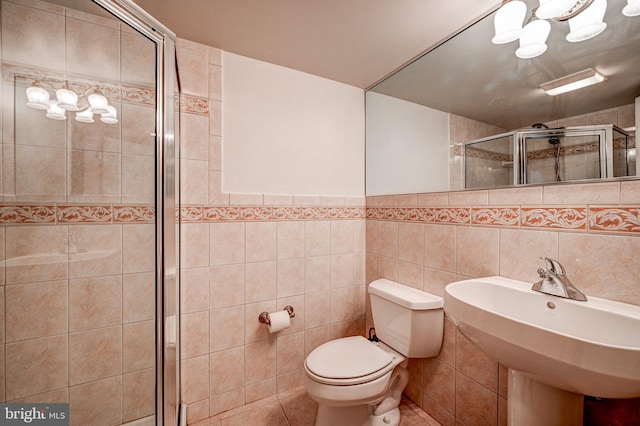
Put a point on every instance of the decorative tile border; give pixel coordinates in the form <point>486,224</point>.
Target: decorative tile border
<point>598,219</point>
<point>69,215</point>
<point>567,218</point>
<point>614,219</point>
<point>495,216</point>
<point>623,219</point>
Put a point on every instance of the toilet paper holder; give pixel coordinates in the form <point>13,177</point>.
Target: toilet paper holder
<point>264,316</point>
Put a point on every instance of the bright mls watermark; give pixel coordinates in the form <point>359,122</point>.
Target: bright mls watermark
<point>34,414</point>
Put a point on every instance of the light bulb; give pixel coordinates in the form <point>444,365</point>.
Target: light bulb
<point>552,8</point>
<point>533,39</point>
<point>111,116</point>
<point>85,116</point>
<point>632,8</point>
<point>55,112</point>
<point>37,98</point>
<point>508,22</point>
<point>98,103</point>
<point>67,99</point>
<point>588,23</point>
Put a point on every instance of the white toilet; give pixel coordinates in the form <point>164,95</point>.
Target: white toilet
<point>358,382</point>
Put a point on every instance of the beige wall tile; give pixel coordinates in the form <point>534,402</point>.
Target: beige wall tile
<point>439,383</point>
<point>35,310</point>
<point>290,239</point>
<point>194,333</point>
<point>194,378</point>
<point>138,394</point>
<point>95,354</point>
<point>95,302</point>
<point>260,242</point>
<point>92,50</point>
<point>27,245</point>
<point>411,242</point>
<point>260,390</point>
<point>342,304</point>
<point>32,37</point>
<point>586,256</point>
<point>318,273</point>
<point>226,285</point>
<point>318,238</point>
<point>594,193</point>
<point>290,277</point>
<point>440,247</point>
<point>138,129</point>
<point>388,239</point>
<point>194,77</point>
<point>520,252</point>
<point>475,404</point>
<point>475,364</point>
<point>96,402</point>
<point>138,297</point>
<point>341,236</point>
<point>138,341</point>
<point>226,328</point>
<point>35,366</point>
<point>260,281</point>
<point>254,330</point>
<point>105,241</point>
<point>477,251</point>
<point>227,243</point>
<point>260,360</point>
<point>342,270</point>
<point>194,245</point>
<point>227,370</point>
<point>318,309</point>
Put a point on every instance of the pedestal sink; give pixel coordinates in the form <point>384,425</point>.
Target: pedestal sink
<point>556,349</point>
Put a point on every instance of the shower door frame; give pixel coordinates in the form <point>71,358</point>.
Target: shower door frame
<point>167,201</point>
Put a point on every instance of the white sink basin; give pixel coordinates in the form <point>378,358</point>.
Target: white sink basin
<point>590,348</point>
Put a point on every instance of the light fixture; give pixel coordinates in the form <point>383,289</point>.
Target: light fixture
<point>85,116</point>
<point>508,22</point>
<point>55,112</point>
<point>632,8</point>
<point>585,19</point>
<point>37,98</point>
<point>589,23</point>
<point>533,40</point>
<point>110,117</point>
<point>573,81</point>
<point>85,105</point>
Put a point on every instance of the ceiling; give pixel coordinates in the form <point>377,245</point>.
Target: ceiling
<point>357,42</point>
<point>472,77</point>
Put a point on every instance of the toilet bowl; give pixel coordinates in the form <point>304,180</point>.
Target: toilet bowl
<point>360,382</point>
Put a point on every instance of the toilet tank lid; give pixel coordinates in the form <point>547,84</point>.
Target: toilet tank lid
<point>406,296</point>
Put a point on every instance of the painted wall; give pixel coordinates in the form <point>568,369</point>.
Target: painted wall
<point>407,147</point>
<point>288,132</point>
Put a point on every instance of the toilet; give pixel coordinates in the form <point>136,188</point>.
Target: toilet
<point>357,381</point>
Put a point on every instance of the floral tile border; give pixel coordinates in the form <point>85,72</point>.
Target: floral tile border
<point>617,219</point>
<point>598,219</point>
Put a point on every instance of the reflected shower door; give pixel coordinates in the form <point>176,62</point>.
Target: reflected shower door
<point>79,212</point>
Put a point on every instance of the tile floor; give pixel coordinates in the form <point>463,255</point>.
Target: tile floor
<point>295,408</point>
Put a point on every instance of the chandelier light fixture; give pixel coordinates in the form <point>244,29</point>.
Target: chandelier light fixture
<point>585,18</point>
<point>85,105</point>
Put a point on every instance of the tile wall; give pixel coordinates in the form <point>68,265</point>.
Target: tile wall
<point>429,240</point>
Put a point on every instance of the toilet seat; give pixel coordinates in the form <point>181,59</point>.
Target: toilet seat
<point>348,361</point>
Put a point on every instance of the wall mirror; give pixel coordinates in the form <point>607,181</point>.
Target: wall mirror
<point>468,88</point>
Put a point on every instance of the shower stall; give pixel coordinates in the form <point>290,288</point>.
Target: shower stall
<point>549,155</point>
<point>88,227</point>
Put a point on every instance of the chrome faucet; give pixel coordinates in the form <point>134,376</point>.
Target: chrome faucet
<point>556,283</point>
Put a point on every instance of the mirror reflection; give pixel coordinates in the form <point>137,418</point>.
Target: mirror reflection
<point>468,88</point>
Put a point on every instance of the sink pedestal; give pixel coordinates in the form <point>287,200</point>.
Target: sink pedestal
<point>532,403</point>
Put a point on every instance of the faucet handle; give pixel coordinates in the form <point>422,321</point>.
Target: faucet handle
<point>553,266</point>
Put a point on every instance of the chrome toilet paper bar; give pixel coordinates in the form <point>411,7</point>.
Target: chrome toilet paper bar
<point>264,316</point>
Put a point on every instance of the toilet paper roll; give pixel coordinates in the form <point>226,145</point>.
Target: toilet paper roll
<point>278,321</point>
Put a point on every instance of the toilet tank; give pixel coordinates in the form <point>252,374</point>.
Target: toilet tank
<point>409,320</point>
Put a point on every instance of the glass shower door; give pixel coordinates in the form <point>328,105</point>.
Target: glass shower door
<point>79,212</point>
